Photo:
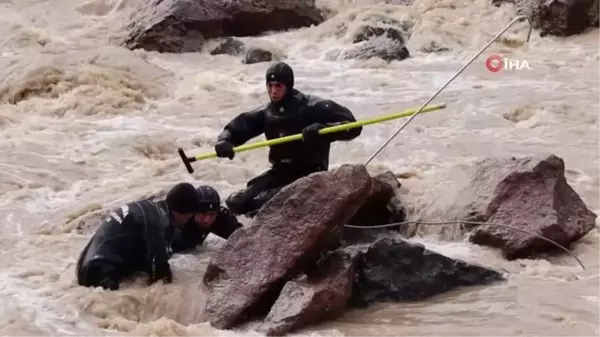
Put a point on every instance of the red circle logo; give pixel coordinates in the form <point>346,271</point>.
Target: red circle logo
<point>494,63</point>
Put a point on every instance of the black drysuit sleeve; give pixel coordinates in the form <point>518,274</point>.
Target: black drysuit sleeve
<point>225,224</point>
<point>155,223</point>
<point>331,113</point>
<point>244,127</point>
<point>191,235</point>
<point>188,237</point>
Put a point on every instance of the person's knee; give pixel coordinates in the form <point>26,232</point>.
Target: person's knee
<point>265,196</point>
<point>98,273</point>
<point>237,203</point>
<point>243,201</point>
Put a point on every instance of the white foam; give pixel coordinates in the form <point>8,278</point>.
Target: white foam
<point>103,127</point>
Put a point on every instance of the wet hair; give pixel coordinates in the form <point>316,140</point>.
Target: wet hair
<point>280,72</point>
<point>208,199</point>
<point>182,198</point>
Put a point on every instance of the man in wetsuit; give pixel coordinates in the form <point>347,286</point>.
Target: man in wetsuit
<point>289,112</point>
<point>210,217</point>
<point>134,238</point>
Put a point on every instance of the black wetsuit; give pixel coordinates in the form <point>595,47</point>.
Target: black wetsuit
<point>192,235</point>
<point>293,160</point>
<point>133,238</point>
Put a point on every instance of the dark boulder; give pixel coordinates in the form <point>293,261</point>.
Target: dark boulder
<point>230,46</point>
<point>433,47</point>
<point>400,2</point>
<point>246,275</point>
<point>183,26</point>
<point>396,270</point>
<point>370,41</point>
<point>594,14</point>
<point>558,17</point>
<point>257,55</point>
<point>563,17</point>
<point>366,32</point>
<point>234,47</point>
<point>383,206</point>
<point>321,296</point>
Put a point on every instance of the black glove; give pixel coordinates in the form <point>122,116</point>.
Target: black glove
<point>311,133</point>
<point>109,284</point>
<point>161,271</point>
<point>224,149</point>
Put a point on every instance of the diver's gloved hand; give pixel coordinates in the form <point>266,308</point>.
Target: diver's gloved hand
<point>311,132</point>
<point>108,283</point>
<point>224,149</point>
<point>162,271</point>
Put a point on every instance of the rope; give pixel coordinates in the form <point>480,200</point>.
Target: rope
<point>458,72</point>
<point>469,223</point>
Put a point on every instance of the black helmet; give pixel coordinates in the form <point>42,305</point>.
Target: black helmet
<point>208,199</point>
<point>182,198</point>
<point>281,72</point>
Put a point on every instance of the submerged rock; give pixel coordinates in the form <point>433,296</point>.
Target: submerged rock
<point>230,46</point>
<point>366,32</point>
<point>389,46</point>
<point>384,37</point>
<point>182,26</point>
<point>246,275</point>
<point>397,270</point>
<point>257,55</point>
<point>234,47</point>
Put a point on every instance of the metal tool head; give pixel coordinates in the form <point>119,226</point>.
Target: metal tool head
<point>185,160</point>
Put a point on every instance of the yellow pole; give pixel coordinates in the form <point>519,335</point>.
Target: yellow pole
<point>277,141</point>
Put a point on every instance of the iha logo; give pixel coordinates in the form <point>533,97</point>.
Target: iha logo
<point>495,63</point>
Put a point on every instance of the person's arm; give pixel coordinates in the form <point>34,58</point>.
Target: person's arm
<point>188,237</point>
<point>225,224</point>
<point>243,127</point>
<point>155,222</point>
<point>331,113</point>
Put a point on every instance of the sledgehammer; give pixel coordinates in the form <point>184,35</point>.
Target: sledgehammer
<point>343,127</point>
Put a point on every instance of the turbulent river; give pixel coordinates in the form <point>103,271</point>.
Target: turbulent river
<point>87,124</point>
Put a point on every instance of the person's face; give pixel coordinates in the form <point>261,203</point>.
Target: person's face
<point>181,218</point>
<point>205,219</point>
<point>276,91</point>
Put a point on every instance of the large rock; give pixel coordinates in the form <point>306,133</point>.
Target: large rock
<point>532,194</point>
<point>246,275</point>
<point>320,296</point>
<point>183,25</point>
<point>529,193</point>
<point>594,14</point>
<point>396,270</point>
<point>564,17</point>
<point>558,17</point>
